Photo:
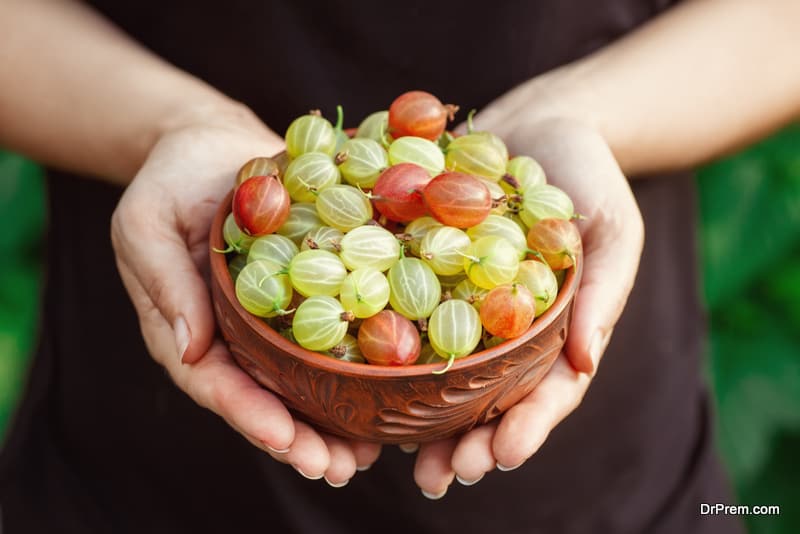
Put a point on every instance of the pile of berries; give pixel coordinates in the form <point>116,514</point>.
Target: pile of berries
<point>402,244</point>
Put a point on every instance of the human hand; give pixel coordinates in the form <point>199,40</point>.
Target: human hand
<point>577,159</point>
<point>160,233</point>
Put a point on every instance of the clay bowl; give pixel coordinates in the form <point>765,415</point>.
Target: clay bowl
<point>388,404</point>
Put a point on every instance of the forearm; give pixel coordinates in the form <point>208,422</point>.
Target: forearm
<point>701,80</point>
<point>78,94</point>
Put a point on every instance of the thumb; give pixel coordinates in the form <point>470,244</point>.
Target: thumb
<point>612,245</point>
<point>497,117</point>
<point>163,281</point>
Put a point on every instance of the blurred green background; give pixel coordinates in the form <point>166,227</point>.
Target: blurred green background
<point>750,247</point>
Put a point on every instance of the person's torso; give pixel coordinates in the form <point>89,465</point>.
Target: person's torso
<point>155,462</point>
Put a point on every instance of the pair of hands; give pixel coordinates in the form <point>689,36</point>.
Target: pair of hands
<point>160,235</point>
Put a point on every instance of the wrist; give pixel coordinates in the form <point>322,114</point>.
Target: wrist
<point>559,95</point>
<point>217,112</point>
<point>194,120</point>
<point>566,97</point>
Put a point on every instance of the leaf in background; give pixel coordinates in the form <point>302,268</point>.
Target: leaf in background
<point>781,290</point>
<point>21,217</point>
<point>776,484</point>
<point>21,204</point>
<point>756,373</point>
<point>750,211</point>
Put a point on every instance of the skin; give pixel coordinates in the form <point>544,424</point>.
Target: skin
<point>510,310</point>
<point>595,118</point>
<point>64,72</point>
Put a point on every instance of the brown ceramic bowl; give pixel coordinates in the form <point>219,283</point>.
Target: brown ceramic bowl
<point>388,404</point>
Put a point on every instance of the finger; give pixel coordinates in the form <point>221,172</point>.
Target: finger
<point>150,248</point>
<point>366,454</point>
<point>342,465</point>
<point>433,472</point>
<point>216,382</point>
<point>613,242</point>
<point>525,426</point>
<point>308,453</point>
<point>473,456</point>
<point>408,448</point>
<point>612,233</point>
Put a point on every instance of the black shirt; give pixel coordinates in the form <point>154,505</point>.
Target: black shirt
<point>104,442</point>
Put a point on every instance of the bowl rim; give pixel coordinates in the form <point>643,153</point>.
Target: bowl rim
<point>219,271</point>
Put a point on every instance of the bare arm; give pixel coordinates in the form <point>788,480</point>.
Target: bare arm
<point>77,93</point>
<point>700,80</point>
<point>703,79</point>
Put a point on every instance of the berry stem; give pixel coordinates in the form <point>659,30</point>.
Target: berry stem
<point>339,118</point>
<point>384,133</point>
<point>536,254</point>
<point>224,251</point>
<point>471,114</point>
<point>338,351</point>
<point>499,201</point>
<point>451,110</point>
<point>446,367</point>
<point>510,180</point>
<point>310,188</point>
<point>340,158</point>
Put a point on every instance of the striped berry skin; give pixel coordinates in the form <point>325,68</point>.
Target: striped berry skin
<point>260,205</point>
<point>320,323</point>
<point>369,246</point>
<point>508,310</point>
<point>457,199</point>
<point>310,133</point>
<point>454,330</point>
<point>545,202</point>
<point>557,241</point>
<point>388,338</point>
<point>422,152</point>
<point>317,272</point>
<point>398,192</point>
<point>420,114</point>
<point>443,249</point>
<point>415,290</point>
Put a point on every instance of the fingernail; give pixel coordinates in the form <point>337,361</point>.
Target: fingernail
<point>339,485</point>
<point>409,448</point>
<point>305,475</point>
<point>434,496</point>
<point>363,467</point>
<point>276,451</point>
<point>597,345</point>
<point>468,482</point>
<point>502,467</point>
<point>182,336</point>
